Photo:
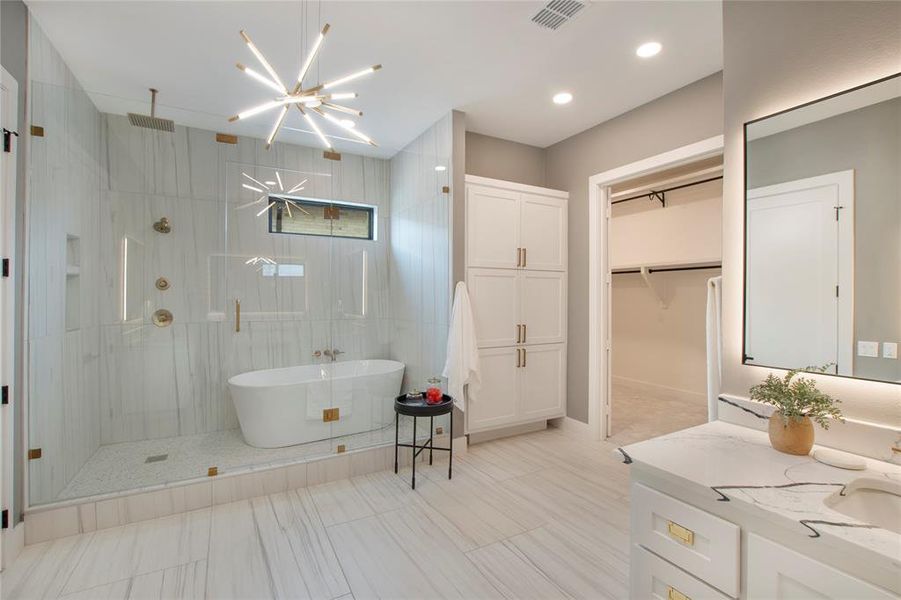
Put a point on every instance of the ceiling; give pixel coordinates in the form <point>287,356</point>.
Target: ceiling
<point>486,59</point>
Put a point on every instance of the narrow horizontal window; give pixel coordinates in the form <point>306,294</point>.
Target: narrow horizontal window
<point>304,216</point>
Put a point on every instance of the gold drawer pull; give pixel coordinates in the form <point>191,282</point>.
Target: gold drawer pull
<point>674,594</point>
<point>518,359</point>
<point>523,257</point>
<point>519,334</point>
<point>523,357</point>
<point>682,534</point>
<point>524,333</point>
<point>519,257</point>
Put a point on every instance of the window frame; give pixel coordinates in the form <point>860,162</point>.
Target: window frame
<point>278,210</point>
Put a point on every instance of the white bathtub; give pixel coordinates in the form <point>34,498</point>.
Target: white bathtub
<point>283,407</point>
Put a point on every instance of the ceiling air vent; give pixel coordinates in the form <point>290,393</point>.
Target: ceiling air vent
<point>557,12</point>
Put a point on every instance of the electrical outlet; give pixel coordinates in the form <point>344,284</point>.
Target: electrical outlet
<point>889,350</point>
<point>870,349</point>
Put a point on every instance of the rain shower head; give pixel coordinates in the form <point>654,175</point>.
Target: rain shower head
<point>152,121</point>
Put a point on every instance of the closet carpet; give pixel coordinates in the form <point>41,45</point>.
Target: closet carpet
<point>642,411</point>
<point>536,516</point>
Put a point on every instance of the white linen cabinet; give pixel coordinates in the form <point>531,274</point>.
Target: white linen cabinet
<point>516,261</point>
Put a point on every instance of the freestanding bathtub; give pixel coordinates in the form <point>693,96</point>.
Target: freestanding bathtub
<point>284,407</point>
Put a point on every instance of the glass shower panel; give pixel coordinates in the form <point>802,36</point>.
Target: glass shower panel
<point>276,300</point>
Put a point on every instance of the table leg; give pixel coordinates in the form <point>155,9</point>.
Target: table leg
<point>450,457</point>
<point>396,437</point>
<point>414,453</point>
<point>431,437</point>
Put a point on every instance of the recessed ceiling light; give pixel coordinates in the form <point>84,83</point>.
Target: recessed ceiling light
<point>648,49</point>
<point>563,98</point>
<point>348,123</point>
<point>440,168</point>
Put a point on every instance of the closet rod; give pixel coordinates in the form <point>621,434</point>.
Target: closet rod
<point>658,193</point>
<point>666,269</point>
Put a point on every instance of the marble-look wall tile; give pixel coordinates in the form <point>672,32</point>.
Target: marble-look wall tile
<point>419,258</point>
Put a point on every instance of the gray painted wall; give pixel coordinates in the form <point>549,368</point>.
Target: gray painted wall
<point>488,156</point>
<point>778,55</point>
<point>14,58</point>
<point>688,115</point>
<point>868,141</point>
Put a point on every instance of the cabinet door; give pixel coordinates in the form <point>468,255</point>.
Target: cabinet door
<point>654,578</point>
<point>494,403</point>
<point>543,232</point>
<point>776,573</point>
<point>494,294</point>
<point>543,380</point>
<point>492,227</point>
<point>543,306</point>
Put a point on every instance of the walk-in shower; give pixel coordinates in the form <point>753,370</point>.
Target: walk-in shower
<point>161,265</point>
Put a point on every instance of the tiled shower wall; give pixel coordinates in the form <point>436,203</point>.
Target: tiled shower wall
<point>420,253</point>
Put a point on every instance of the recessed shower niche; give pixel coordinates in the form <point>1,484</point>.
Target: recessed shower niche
<point>73,282</point>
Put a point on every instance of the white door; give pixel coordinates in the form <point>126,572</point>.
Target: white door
<point>495,304</point>
<point>495,402</point>
<point>543,382</point>
<point>8,120</point>
<point>543,232</point>
<point>799,259</point>
<point>779,573</point>
<point>492,227</point>
<point>543,306</point>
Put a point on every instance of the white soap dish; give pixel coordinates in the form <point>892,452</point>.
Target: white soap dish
<point>839,459</point>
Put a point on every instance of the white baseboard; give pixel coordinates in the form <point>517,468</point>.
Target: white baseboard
<point>496,434</point>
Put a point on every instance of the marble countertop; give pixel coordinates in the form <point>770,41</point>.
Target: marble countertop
<point>738,465</point>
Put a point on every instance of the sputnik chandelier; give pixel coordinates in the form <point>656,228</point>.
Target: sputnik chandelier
<point>265,188</point>
<point>318,99</point>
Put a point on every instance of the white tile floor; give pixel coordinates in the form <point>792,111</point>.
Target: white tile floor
<point>536,516</point>
<point>123,466</point>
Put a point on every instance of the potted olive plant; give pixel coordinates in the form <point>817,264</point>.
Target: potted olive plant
<point>798,403</point>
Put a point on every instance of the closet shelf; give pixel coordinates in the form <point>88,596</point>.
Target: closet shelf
<point>713,263</point>
<point>646,270</point>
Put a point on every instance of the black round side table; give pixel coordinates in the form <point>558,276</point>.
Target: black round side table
<point>416,407</point>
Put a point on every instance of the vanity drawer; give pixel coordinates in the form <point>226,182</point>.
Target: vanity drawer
<point>702,544</point>
<point>653,577</point>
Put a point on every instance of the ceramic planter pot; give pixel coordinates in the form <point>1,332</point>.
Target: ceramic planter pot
<point>792,436</point>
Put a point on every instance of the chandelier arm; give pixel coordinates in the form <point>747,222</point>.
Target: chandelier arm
<point>312,55</point>
<point>276,127</point>
<point>353,131</point>
<point>344,109</point>
<point>262,60</point>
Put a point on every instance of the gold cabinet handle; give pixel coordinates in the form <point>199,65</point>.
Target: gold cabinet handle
<point>518,359</point>
<point>674,594</point>
<point>523,357</point>
<point>518,257</point>
<point>237,315</point>
<point>524,257</point>
<point>682,534</point>
<point>518,333</point>
<point>523,333</point>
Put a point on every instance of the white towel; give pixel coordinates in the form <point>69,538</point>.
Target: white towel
<point>714,344</point>
<point>462,366</point>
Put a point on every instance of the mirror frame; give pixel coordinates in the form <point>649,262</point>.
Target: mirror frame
<point>744,249</point>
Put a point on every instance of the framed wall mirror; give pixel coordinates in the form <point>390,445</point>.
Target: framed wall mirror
<point>823,235</point>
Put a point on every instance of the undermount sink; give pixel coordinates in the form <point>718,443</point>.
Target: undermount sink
<point>872,501</point>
